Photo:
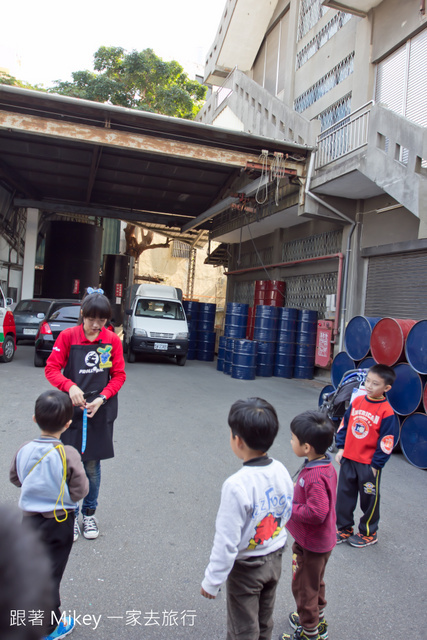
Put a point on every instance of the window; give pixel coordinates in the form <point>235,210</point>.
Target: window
<point>180,249</point>
<point>335,112</point>
<point>325,84</point>
<point>329,30</point>
<point>310,13</point>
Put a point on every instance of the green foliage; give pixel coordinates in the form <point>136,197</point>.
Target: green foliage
<point>137,80</point>
<point>6,78</point>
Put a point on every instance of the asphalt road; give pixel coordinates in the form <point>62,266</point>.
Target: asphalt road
<point>159,496</point>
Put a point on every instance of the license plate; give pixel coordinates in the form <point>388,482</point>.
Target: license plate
<point>30,332</point>
<point>161,346</point>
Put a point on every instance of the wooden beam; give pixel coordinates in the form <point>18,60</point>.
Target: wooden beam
<point>90,134</point>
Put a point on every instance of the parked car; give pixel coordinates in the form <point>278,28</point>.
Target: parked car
<point>7,329</point>
<point>60,315</point>
<point>28,313</point>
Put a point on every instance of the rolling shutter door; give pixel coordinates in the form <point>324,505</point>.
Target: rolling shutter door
<point>390,85</point>
<point>416,106</point>
<point>397,286</point>
<point>401,82</point>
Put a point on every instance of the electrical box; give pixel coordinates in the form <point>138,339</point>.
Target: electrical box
<point>324,343</point>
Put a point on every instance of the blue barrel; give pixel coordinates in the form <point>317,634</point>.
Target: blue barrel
<point>265,359</point>
<point>236,320</point>
<point>221,353</point>
<point>366,363</point>
<point>413,439</point>
<point>340,365</point>
<point>357,337</point>
<point>191,308</point>
<point>284,360</point>
<point>206,345</point>
<point>228,355</point>
<point>304,361</point>
<point>206,318</point>
<point>305,338</point>
<point>406,394</point>
<point>325,391</point>
<point>287,324</point>
<point>244,360</point>
<point>416,347</point>
<point>192,345</point>
<point>265,329</point>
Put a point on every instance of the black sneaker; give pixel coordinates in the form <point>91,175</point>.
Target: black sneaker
<point>344,534</point>
<point>322,628</point>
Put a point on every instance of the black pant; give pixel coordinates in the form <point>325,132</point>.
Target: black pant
<point>58,538</point>
<point>357,479</point>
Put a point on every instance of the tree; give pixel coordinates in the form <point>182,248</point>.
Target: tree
<point>6,78</point>
<point>137,80</point>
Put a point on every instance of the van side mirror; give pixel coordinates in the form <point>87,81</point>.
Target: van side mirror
<point>128,312</point>
<point>9,301</point>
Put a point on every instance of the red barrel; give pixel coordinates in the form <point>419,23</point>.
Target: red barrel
<point>388,340</point>
<point>251,323</point>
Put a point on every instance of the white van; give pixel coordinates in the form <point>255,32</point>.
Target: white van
<point>155,322</point>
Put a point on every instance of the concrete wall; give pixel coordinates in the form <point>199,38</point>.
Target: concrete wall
<point>394,22</point>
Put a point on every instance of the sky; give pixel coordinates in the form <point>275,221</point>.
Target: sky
<point>44,41</point>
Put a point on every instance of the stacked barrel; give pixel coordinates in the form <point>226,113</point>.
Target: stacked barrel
<point>284,361</point>
<point>201,325</point>
<point>402,345</point>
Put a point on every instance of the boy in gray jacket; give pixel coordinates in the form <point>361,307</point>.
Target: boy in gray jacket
<point>52,480</point>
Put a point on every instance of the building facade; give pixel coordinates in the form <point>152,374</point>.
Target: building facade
<point>348,79</point>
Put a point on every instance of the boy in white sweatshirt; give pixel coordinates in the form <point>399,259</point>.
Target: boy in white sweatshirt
<point>256,503</point>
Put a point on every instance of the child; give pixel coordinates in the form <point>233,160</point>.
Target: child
<point>250,532</point>
<point>52,480</point>
<point>365,440</point>
<point>312,523</point>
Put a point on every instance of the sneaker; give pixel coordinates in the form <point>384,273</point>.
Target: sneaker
<point>359,540</point>
<point>344,534</point>
<point>322,628</point>
<point>90,527</point>
<point>63,629</point>
<point>77,531</point>
<point>298,635</point>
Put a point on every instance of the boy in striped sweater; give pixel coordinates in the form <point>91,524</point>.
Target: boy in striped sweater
<point>312,524</point>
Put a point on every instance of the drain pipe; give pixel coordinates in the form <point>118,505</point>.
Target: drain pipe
<point>341,216</point>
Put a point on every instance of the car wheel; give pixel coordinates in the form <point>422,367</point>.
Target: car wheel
<point>38,360</point>
<point>8,349</point>
<point>125,344</point>
<point>181,360</point>
<point>131,355</point>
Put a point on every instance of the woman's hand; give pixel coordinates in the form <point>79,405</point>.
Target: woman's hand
<point>92,407</point>
<point>76,396</point>
<point>207,595</point>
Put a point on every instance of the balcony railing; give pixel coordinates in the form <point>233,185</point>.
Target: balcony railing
<point>343,137</point>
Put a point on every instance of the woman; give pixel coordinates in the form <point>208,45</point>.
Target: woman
<point>87,363</point>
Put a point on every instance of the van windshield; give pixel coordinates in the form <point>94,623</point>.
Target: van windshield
<point>159,309</point>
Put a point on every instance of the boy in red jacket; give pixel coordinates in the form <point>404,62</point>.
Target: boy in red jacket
<point>312,524</point>
<point>365,441</point>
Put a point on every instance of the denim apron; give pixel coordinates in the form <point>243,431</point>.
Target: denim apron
<point>89,368</point>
